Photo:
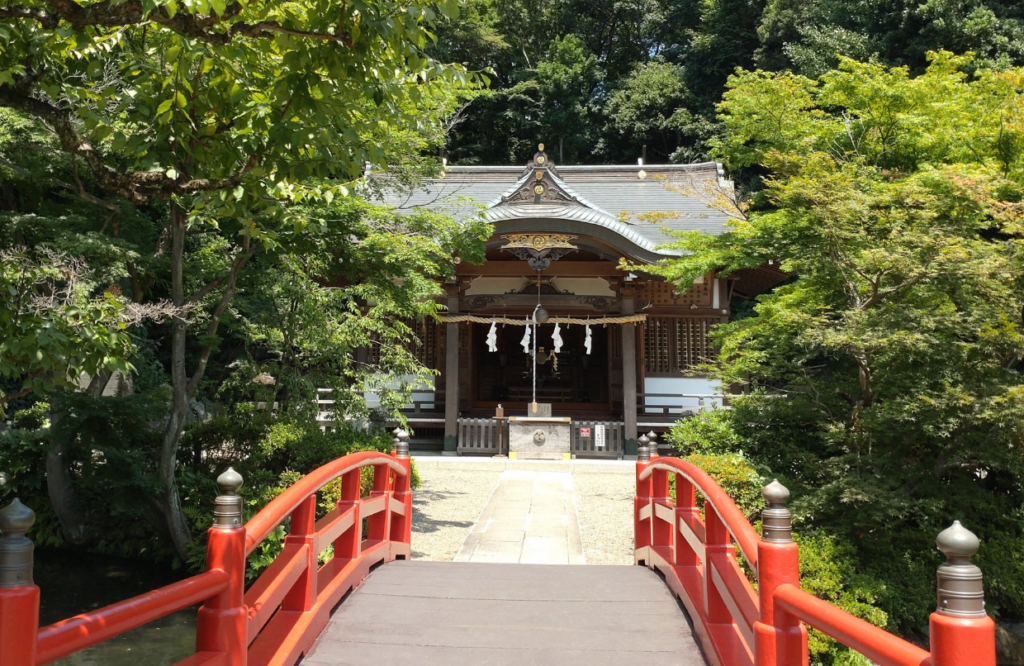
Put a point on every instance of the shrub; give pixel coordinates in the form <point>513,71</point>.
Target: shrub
<point>287,450</point>
<point>829,571</point>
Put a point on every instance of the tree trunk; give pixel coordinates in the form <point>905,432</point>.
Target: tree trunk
<point>60,485</point>
<point>183,386</point>
<point>170,500</point>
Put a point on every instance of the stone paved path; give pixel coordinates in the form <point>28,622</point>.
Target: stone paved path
<point>529,519</point>
<point>500,510</point>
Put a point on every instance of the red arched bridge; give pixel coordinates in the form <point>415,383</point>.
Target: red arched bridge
<point>299,609</point>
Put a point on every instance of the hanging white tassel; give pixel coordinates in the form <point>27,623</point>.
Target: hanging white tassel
<point>492,337</point>
<point>588,342</point>
<point>526,339</point>
<point>556,337</point>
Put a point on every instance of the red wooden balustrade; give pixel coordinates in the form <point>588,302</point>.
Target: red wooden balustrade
<point>738,626</point>
<point>280,616</point>
<point>273,622</point>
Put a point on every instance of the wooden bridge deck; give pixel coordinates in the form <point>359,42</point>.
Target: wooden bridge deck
<point>455,613</point>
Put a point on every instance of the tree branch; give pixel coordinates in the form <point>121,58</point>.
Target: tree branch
<point>110,14</point>
<point>225,300</point>
<point>78,191</point>
<point>138,187</point>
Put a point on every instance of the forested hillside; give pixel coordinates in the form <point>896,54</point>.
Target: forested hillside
<point>600,80</point>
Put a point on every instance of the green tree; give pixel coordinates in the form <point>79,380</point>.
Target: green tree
<point>51,328</point>
<point>228,116</point>
<point>565,81</point>
<point>650,109</point>
<point>303,315</point>
<point>888,371</point>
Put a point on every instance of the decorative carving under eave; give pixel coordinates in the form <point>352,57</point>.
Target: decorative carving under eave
<point>523,304</point>
<point>481,302</point>
<point>546,288</point>
<point>598,302</point>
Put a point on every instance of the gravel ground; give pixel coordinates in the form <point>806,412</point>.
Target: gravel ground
<point>604,503</point>
<point>445,507</point>
<point>455,490</point>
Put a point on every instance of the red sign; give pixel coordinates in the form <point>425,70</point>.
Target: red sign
<point>584,432</point>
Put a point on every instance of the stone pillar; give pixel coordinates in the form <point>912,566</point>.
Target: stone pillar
<point>629,372</point>
<point>451,375</point>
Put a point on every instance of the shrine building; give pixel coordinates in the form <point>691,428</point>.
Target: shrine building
<point>561,236</point>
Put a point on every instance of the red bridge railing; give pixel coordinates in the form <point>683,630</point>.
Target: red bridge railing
<point>273,622</point>
<point>739,626</point>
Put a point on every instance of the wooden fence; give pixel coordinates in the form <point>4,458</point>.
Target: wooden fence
<point>480,436</point>
<point>587,447</point>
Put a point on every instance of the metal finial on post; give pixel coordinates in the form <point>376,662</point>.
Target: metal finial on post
<point>653,438</point>
<point>960,589</point>
<point>776,520</point>
<point>643,452</point>
<point>227,511</point>
<point>15,548</point>
<point>401,444</point>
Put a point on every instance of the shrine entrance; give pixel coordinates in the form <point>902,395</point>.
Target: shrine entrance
<point>574,382</point>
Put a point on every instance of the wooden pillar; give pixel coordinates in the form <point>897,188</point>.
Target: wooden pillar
<point>629,369</point>
<point>451,375</point>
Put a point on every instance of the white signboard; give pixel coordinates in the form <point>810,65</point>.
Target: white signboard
<point>599,436</point>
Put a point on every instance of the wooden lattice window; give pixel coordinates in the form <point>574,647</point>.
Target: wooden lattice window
<point>425,350</point>
<point>676,344</point>
<point>664,294</point>
<point>658,345</point>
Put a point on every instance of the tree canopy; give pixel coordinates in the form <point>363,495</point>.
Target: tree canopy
<point>655,52</point>
<point>885,375</point>
<point>211,133</point>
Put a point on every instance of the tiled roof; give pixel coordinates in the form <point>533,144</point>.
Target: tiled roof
<point>611,197</point>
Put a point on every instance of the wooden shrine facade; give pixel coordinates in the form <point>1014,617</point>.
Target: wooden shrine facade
<point>561,236</point>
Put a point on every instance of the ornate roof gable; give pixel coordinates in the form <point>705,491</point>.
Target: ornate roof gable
<point>541,184</point>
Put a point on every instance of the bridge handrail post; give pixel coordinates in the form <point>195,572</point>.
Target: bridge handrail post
<point>718,546</point>
<point>687,512</point>
<point>661,531</point>
<point>378,527</point>
<point>641,532</point>
<point>302,532</point>
<point>779,638</point>
<point>19,596</point>
<point>960,631</point>
<point>401,526</point>
<point>222,624</point>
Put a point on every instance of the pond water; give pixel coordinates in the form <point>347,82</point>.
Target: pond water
<point>73,583</point>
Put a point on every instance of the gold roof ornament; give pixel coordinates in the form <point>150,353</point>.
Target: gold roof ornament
<point>539,250</point>
<point>540,147</point>
<point>539,241</point>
